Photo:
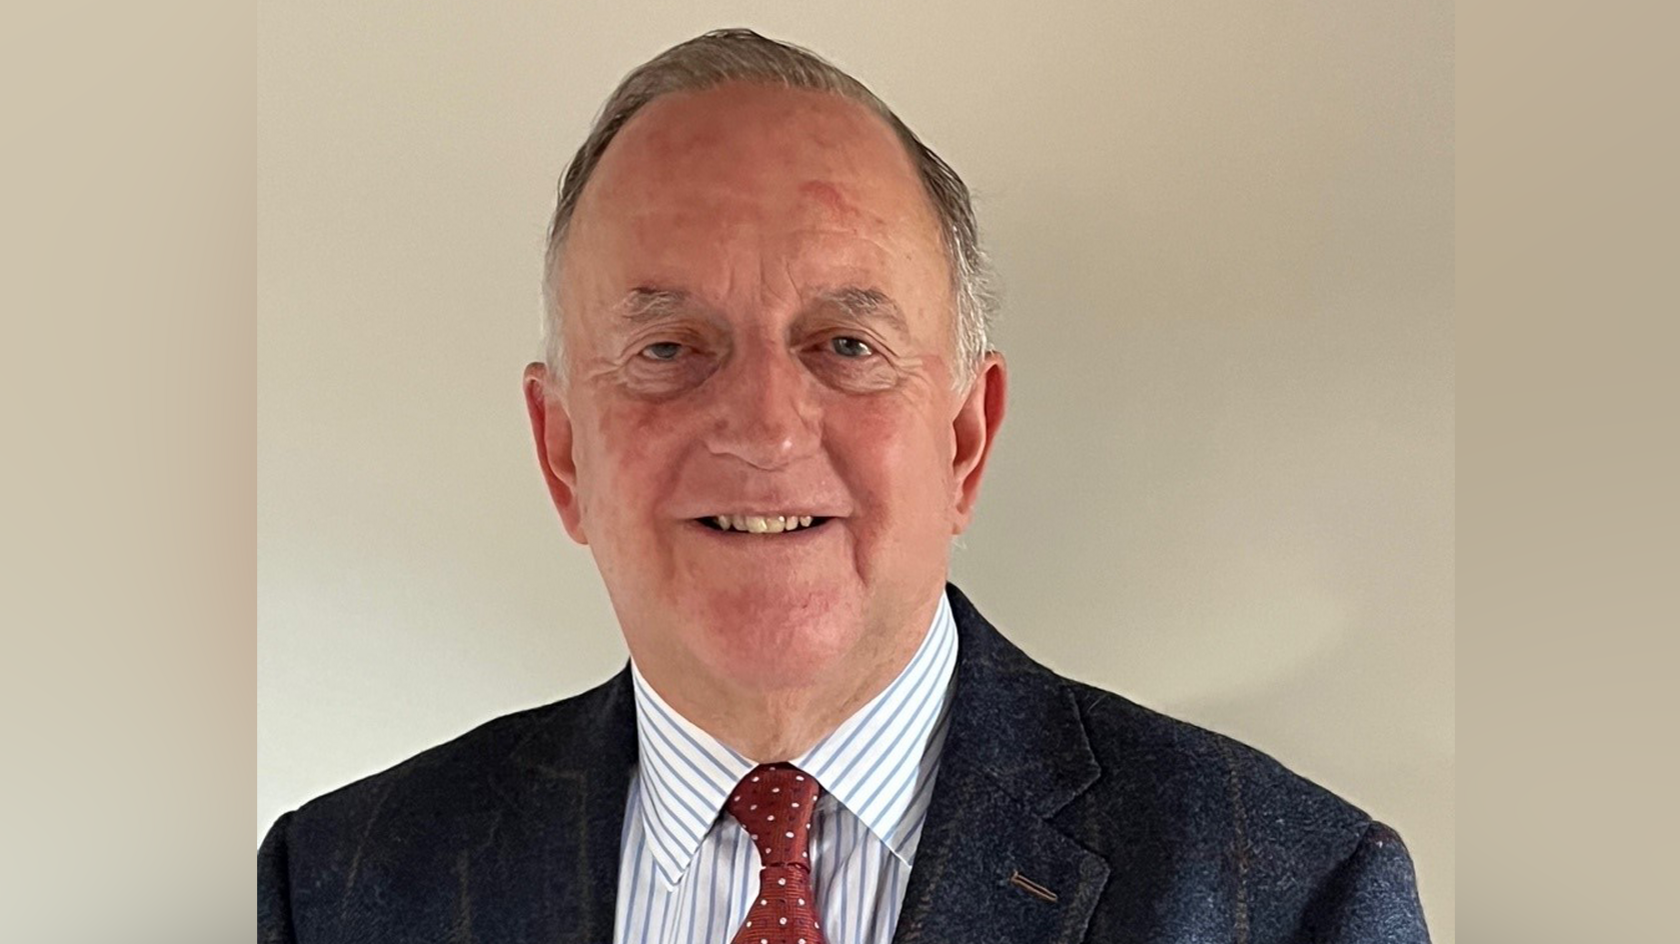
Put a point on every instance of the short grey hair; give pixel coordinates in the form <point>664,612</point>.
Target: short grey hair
<point>742,55</point>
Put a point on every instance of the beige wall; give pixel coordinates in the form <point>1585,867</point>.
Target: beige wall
<point>1225,488</point>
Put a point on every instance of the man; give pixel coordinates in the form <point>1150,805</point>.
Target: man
<point>766,409</point>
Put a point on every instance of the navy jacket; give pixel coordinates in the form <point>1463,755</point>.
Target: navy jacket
<point>1139,827</point>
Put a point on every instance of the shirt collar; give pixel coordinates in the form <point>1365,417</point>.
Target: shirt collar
<point>876,764</point>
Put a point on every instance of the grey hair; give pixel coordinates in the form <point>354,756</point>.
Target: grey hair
<point>742,55</point>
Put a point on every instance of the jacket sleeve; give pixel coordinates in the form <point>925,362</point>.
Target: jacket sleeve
<point>274,894</point>
<point>1372,897</point>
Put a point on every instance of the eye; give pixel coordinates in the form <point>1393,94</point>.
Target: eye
<point>850,347</point>
<point>662,351</point>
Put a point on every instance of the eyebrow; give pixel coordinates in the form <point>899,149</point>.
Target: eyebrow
<point>867,304</point>
<point>642,305</point>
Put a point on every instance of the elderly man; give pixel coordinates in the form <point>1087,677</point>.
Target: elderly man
<point>766,409</point>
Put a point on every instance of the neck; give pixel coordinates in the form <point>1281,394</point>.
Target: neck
<point>772,727</point>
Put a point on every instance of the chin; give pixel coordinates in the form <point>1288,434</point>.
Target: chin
<point>761,631</point>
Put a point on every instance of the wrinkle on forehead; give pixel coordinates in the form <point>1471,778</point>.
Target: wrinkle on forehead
<point>754,189</point>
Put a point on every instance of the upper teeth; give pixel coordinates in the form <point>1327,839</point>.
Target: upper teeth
<point>762,524</point>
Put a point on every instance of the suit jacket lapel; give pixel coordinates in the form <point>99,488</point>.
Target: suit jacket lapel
<point>569,785</point>
<point>989,860</point>
<point>1016,754</point>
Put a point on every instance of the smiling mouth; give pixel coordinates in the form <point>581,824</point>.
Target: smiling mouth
<point>762,524</point>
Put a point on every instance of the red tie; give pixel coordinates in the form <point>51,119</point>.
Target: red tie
<point>774,804</point>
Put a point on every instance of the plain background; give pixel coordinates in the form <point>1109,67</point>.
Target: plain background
<point>1225,487</point>
<point>128,655</point>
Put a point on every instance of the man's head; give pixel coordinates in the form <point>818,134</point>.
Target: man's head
<point>763,309</point>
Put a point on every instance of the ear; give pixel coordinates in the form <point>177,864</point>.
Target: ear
<point>972,432</point>
<point>551,427</point>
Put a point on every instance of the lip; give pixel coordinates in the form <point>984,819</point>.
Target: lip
<point>795,512</point>
<point>728,499</point>
<point>767,508</point>
<point>795,537</point>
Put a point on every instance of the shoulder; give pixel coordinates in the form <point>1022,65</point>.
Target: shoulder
<point>1230,822</point>
<point>478,772</point>
<point>1200,832</point>
<point>399,854</point>
<point>1143,751</point>
<point>1166,774</point>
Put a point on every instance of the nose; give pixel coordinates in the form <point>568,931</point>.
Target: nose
<point>764,414</point>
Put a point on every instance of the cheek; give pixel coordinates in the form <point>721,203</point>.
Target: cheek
<point>626,460</point>
<point>898,466</point>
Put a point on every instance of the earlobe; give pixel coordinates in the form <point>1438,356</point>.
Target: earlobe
<point>551,428</point>
<point>973,431</point>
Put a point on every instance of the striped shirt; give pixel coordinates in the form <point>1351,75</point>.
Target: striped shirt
<point>688,872</point>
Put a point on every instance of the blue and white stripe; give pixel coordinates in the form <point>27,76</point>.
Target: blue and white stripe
<point>688,873</point>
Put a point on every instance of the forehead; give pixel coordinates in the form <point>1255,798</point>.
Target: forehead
<point>803,185</point>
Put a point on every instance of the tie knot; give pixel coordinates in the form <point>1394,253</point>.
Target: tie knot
<point>774,804</point>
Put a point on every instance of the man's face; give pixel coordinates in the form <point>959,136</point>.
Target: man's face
<point>759,322</point>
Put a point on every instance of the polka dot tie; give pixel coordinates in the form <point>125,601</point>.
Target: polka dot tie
<point>773,804</point>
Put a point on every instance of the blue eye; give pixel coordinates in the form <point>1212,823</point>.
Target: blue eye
<point>850,347</point>
<point>662,351</point>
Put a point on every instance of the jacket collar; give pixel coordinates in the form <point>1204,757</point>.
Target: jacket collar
<point>1016,753</point>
